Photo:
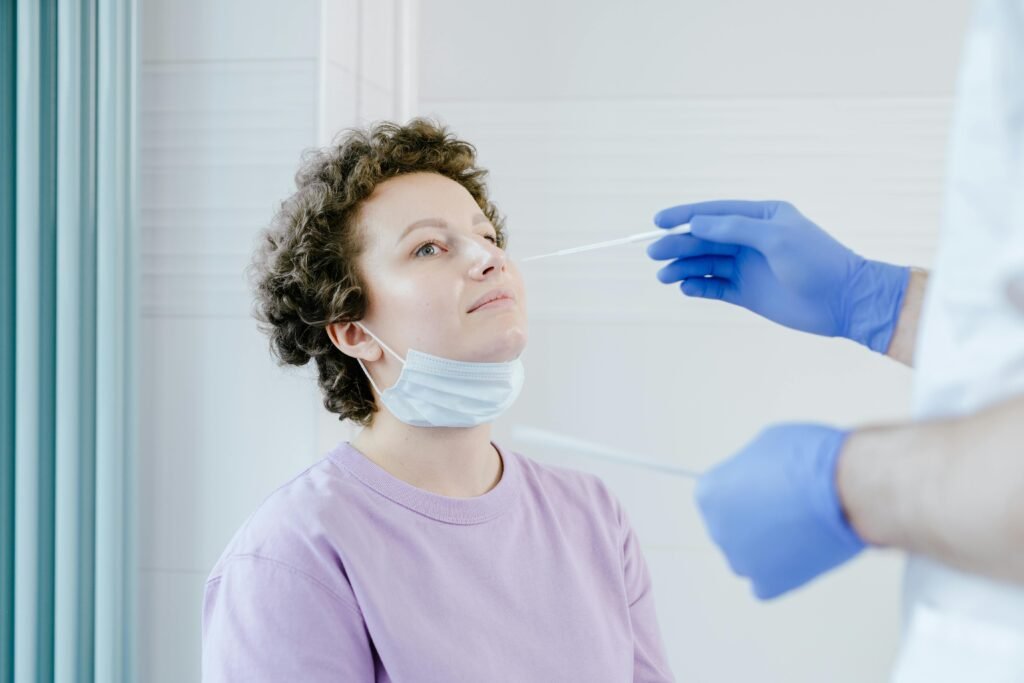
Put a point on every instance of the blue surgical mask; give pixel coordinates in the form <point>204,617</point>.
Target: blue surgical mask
<point>439,392</point>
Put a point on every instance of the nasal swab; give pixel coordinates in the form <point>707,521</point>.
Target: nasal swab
<point>580,447</point>
<point>639,237</point>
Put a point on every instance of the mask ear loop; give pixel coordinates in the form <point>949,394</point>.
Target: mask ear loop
<point>385,347</point>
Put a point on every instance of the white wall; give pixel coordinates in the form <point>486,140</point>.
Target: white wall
<point>232,92</point>
<point>594,115</point>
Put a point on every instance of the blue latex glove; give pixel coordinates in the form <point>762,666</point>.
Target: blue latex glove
<point>774,509</point>
<point>768,258</point>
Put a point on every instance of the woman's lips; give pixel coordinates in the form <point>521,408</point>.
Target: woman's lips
<point>492,298</point>
<point>503,302</point>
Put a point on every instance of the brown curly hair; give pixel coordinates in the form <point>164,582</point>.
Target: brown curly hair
<point>304,272</point>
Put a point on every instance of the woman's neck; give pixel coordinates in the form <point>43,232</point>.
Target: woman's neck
<point>448,461</point>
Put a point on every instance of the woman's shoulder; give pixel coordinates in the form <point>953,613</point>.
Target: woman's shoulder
<point>292,526</point>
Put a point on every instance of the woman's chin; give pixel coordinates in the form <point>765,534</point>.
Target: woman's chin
<point>504,346</point>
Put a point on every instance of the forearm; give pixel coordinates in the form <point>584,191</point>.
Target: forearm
<point>952,489</point>
<point>904,339</point>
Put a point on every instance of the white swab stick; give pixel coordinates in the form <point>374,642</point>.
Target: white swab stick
<point>639,237</point>
<point>578,446</point>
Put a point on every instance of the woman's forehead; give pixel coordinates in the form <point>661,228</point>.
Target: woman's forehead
<point>414,200</point>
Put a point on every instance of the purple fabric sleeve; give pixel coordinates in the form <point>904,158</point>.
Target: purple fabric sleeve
<point>267,621</point>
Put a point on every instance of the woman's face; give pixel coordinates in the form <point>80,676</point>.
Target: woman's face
<point>437,280</point>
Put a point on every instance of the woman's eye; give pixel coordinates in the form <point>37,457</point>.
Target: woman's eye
<point>492,238</point>
<point>428,249</point>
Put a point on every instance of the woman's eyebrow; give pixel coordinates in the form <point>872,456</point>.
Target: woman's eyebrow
<point>436,223</point>
<point>423,223</point>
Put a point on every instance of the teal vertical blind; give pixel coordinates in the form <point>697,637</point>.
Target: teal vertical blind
<point>35,322</point>
<point>67,307</point>
<point>117,286</point>
<point>8,76</point>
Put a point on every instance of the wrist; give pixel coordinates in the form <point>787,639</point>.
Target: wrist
<point>863,488</point>
<point>903,345</point>
<point>873,303</point>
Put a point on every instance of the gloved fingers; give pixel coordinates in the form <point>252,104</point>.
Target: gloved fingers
<point>699,266</point>
<point>685,213</point>
<point>755,233</point>
<point>682,246</point>
<point>709,288</point>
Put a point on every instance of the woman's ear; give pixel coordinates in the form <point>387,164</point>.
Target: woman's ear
<point>353,341</point>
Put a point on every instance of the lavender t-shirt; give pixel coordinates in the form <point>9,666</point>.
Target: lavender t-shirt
<point>347,573</point>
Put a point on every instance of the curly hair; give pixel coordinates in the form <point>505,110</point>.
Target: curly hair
<point>305,274</point>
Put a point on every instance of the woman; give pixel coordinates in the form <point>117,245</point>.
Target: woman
<point>420,551</point>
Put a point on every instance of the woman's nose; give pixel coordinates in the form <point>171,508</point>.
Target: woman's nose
<point>486,259</point>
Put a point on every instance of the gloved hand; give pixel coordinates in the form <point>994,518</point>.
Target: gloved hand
<point>774,509</point>
<point>768,258</point>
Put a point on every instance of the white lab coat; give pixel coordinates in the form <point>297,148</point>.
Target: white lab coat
<point>970,354</point>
